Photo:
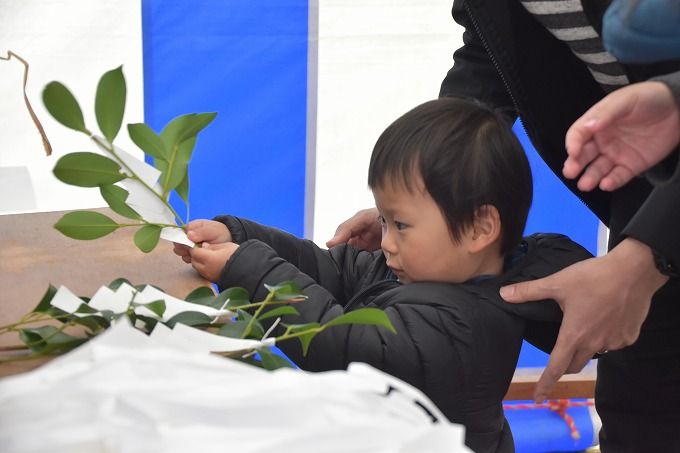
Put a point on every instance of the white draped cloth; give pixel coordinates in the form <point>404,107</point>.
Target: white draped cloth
<point>128,392</point>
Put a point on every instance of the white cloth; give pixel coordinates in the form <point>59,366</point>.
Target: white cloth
<point>127,392</point>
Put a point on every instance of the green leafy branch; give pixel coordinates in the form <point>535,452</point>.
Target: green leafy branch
<point>54,335</point>
<point>171,151</point>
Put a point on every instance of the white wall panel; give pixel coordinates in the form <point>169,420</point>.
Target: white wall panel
<point>376,60</point>
<point>73,41</point>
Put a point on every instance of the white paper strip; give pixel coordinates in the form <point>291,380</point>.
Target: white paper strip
<point>176,235</point>
<point>173,305</point>
<point>65,300</point>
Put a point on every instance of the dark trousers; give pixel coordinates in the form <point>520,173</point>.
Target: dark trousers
<point>638,388</point>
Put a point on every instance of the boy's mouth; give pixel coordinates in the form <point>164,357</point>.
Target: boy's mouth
<point>396,271</point>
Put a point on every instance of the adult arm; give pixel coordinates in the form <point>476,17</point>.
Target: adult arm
<point>473,74</point>
<point>604,300</point>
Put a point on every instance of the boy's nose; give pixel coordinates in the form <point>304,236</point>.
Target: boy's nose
<point>387,244</point>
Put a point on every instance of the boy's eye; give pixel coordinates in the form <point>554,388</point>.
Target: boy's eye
<point>382,221</point>
<point>399,226</point>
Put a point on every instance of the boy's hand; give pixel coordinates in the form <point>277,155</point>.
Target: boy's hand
<point>209,231</point>
<point>202,231</point>
<point>209,260</point>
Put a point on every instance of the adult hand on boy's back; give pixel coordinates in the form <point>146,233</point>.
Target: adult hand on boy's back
<point>362,231</point>
<point>605,301</point>
<point>209,259</point>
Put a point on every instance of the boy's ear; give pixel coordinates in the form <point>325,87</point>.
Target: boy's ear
<point>486,228</point>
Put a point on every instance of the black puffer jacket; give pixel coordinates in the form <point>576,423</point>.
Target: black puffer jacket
<point>457,343</point>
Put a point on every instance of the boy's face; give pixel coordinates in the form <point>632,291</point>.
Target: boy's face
<point>416,239</point>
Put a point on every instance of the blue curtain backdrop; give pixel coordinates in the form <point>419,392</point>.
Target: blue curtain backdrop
<point>246,60</point>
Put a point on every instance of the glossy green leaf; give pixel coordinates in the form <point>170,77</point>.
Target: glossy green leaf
<point>87,169</point>
<point>280,311</point>
<point>370,316</point>
<point>85,225</point>
<point>306,340</point>
<point>202,292</point>
<point>204,296</point>
<point>178,165</point>
<point>116,197</point>
<point>85,308</point>
<point>189,318</point>
<point>117,283</point>
<point>179,137</point>
<point>256,330</point>
<point>294,328</point>
<point>183,188</point>
<point>63,106</point>
<point>45,302</point>
<point>157,307</point>
<point>234,298</point>
<point>234,329</point>
<point>109,103</point>
<point>184,127</point>
<point>286,291</point>
<point>311,329</point>
<point>47,339</point>
<point>94,323</point>
<point>161,165</point>
<point>147,140</point>
<point>147,237</point>
<point>271,361</point>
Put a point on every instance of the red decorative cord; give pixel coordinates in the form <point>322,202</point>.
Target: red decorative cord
<point>559,407</point>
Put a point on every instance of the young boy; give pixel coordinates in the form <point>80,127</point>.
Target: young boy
<point>453,188</point>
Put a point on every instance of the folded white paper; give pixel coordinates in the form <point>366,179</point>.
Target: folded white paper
<point>118,301</point>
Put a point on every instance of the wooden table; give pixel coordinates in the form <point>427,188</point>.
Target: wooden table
<point>578,385</point>
<point>33,254</point>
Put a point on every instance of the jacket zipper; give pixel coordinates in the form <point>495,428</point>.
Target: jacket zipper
<point>497,66</point>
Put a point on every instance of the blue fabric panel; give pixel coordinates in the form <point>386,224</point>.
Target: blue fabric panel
<point>246,60</point>
<point>541,430</point>
<point>554,210</point>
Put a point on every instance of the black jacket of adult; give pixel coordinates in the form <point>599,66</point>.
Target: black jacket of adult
<point>459,344</point>
<point>510,61</point>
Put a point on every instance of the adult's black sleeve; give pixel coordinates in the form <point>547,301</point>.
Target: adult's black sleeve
<point>473,74</point>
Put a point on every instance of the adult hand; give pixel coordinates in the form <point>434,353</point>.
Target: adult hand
<point>209,260</point>
<point>202,231</point>
<point>362,231</point>
<point>626,133</point>
<point>604,300</point>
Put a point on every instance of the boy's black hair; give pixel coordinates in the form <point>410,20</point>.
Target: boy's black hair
<point>467,156</point>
